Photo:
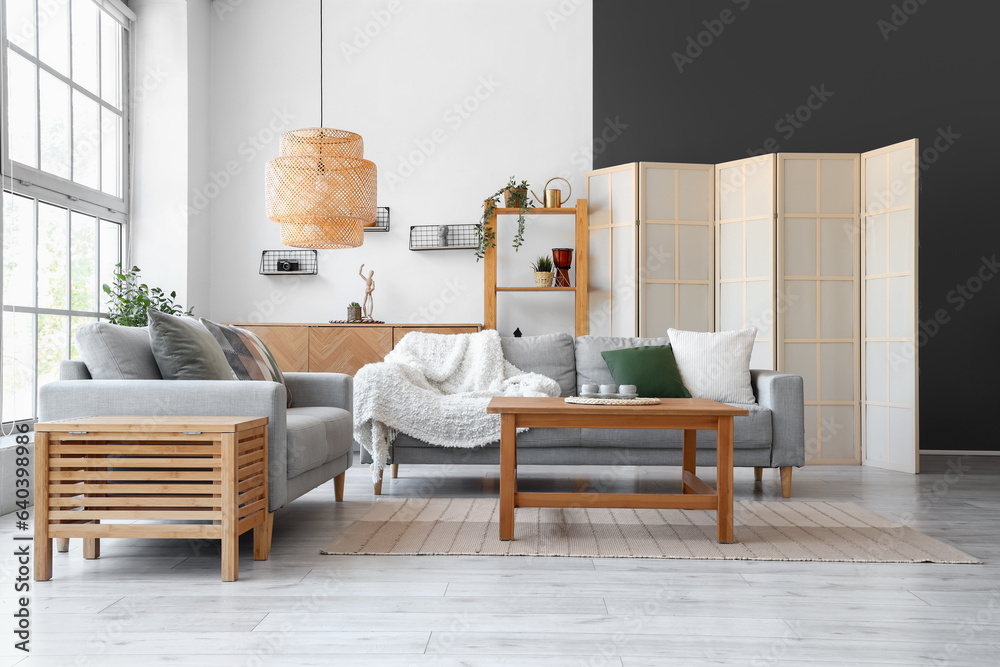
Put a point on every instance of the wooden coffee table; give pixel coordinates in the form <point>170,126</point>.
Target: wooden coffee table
<point>126,468</point>
<point>687,414</point>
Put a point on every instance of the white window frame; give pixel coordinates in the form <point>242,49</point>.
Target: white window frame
<point>31,182</point>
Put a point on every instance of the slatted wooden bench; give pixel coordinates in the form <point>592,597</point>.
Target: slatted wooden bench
<point>109,476</point>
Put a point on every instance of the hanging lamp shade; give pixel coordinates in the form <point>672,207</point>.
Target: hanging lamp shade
<point>320,189</point>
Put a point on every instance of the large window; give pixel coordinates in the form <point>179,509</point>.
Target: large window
<point>65,71</point>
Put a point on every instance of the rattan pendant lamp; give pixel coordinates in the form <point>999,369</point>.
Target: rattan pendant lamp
<point>320,189</point>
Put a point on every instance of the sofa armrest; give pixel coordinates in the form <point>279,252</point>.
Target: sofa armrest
<point>781,393</point>
<point>67,399</point>
<point>327,389</point>
<point>73,369</point>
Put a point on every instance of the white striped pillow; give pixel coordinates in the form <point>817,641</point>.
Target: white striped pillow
<point>715,365</point>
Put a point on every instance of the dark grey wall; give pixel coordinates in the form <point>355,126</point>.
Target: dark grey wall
<point>891,70</point>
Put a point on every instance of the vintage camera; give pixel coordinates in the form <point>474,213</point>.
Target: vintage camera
<point>288,265</point>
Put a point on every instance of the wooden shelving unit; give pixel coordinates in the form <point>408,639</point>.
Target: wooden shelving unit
<point>580,269</point>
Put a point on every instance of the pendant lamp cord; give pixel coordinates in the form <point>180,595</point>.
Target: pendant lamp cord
<point>321,63</point>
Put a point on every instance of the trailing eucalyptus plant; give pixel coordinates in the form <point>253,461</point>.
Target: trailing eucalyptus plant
<point>517,194</point>
<point>129,299</point>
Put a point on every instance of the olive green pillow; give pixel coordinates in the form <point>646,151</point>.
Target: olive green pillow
<point>652,369</point>
<point>185,350</point>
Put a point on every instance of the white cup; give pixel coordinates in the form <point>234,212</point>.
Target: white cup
<point>627,389</point>
<point>609,389</point>
<point>588,388</point>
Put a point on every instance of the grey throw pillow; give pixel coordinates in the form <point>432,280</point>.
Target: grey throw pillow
<point>185,350</point>
<point>114,352</point>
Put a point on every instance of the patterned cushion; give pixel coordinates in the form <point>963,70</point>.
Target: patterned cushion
<point>247,354</point>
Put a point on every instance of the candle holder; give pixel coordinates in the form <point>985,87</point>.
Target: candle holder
<point>562,258</point>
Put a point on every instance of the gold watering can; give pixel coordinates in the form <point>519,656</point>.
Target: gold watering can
<point>553,197</point>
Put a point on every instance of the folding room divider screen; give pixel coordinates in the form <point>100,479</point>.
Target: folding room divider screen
<point>815,250</point>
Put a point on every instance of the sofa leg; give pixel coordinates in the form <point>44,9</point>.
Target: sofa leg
<point>62,544</point>
<point>394,470</point>
<point>758,473</point>
<point>338,487</point>
<point>262,538</point>
<point>786,481</point>
<point>378,484</point>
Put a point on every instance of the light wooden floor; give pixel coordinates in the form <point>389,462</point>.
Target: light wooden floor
<point>147,603</point>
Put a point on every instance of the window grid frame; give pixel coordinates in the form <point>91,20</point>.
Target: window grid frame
<point>41,187</point>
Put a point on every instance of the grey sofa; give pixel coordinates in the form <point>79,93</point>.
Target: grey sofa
<point>771,436</point>
<point>309,443</point>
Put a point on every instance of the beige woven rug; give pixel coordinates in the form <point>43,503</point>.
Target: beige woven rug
<point>794,531</point>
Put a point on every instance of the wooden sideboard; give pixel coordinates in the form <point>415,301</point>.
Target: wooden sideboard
<point>338,348</point>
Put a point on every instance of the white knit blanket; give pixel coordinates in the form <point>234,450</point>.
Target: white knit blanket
<point>435,388</point>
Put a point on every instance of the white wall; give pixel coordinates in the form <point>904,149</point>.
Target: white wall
<point>159,224</point>
<point>399,86</point>
<point>199,275</point>
<point>169,232</point>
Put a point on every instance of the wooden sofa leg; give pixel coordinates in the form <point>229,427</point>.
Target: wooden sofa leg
<point>262,538</point>
<point>378,484</point>
<point>394,470</point>
<point>786,481</point>
<point>338,486</point>
<point>758,473</point>
<point>62,544</point>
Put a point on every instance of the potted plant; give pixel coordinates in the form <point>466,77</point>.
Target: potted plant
<point>354,312</point>
<point>543,271</point>
<point>515,195</point>
<point>129,300</point>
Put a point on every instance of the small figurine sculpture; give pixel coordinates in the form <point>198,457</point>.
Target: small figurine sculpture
<point>369,303</point>
<point>443,236</point>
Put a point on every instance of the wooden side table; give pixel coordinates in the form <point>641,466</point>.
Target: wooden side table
<point>211,469</point>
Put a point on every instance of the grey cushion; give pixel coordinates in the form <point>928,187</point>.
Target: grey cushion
<point>185,350</point>
<point>551,355</point>
<point>114,352</point>
<point>316,435</point>
<point>590,365</point>
<point>749,432</point>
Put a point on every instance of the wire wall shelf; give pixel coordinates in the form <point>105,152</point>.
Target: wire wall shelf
<point>381,220</point>
<point>289,263</point>
<point>442,237</point>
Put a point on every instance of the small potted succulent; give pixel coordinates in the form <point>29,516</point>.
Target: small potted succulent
<point>354,312</point>
<point>543,271</point>
<point>515,195</point>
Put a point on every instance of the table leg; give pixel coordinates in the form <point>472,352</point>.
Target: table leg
<point>724,479</point>
<point>508,475</point>
<point>689,457</point>
<point>43,543</point>
<point>230,540</point>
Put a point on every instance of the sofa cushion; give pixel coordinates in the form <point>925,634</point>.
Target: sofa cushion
<point>185,350</point>
<point>316,435</point>
<point>651,368</point>
<point>590,365</point>
<point>715,366</point>
<point>114,352</point>
<point>551,355</point>
<point>247,355</point>
<point>750,432</point>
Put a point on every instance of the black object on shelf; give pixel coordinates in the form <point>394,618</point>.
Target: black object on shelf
<point>381,220</point>
<point>442,237</point>
<point>517,332</point>
<point>289,263</point>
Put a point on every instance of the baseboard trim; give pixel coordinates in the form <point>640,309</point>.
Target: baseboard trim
<point>958,452</point>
